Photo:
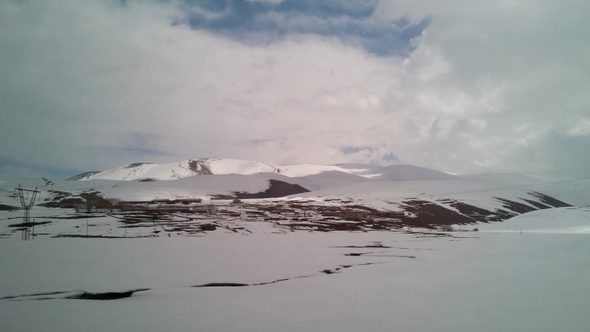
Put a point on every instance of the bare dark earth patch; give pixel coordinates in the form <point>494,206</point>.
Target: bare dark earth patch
<point>375,244</point>
<point>84,236</point>
<point>378,254</point>
<point>223,284</point>
<point>77,216</point>
<point>515,206</point>
<point>433,234</point>
<point>427,214</point>
<point>30,224</point>
<point>25,296</point>
<point>549,200</point>
<point>477,213</point>
<point>106,295</point>
<point>47,182</point>
<point>276,189</point>
<point>66,200</point>
<point>536,204</point>
<point>240,284</point>
<point>4,207</point>
<point>341,267</point>
<point>279,280</point>
<point>75,295</point>
<point>65,203</point>
<point>82,175</point>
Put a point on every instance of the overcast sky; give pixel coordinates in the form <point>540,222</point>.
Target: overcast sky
<point>458,85</point>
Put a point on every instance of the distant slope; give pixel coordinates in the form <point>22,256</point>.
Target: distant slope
<point>440,201</point>
<point>416,195</point>
<point>566,220</point>
<point>84,176</point>
<point>574,191</point>
<point>327,180</point>
<point>411,173</point>
<point>265,185</point>
<point>192,167</point>
<point>300,170</point>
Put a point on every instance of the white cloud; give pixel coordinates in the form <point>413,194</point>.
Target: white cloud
<point>519,67</point>
<point>94,84</point>
<point>580,128</point>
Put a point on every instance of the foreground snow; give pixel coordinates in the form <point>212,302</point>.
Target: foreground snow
<point>475,281</point>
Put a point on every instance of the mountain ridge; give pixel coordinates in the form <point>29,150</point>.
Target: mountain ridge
<point>212,166</point>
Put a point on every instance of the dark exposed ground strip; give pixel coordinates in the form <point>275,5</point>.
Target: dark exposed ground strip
<point>101,236</point>
<point>76,295</point>
<point>325,271</point>
<point>32,295</point>
<point>373,254</point>
<point>379,247</point>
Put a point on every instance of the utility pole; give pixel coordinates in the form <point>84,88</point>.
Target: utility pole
<point>27,200</point>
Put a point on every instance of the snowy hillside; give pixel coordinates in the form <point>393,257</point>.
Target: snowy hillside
<point>573,191</point>
<point>192,167</point>
<point>568,220</point>
<point>410,173</point>
<point>316,197</point>
<point>179,170</point>
<point>195,187</point>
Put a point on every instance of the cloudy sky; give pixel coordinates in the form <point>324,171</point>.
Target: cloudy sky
<point>459,85</point>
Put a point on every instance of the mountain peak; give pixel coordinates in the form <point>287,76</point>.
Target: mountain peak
<point>212,166</point>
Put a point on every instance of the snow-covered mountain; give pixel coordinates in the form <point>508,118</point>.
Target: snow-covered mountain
<point>192,167</point>
<point>332,197</point>
<point>372,185</point>
<point>179,170</point>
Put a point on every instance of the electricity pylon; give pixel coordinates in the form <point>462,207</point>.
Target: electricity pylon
<point>27,200</point>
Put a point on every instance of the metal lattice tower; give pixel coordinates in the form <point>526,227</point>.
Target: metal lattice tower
<point>27,200</point>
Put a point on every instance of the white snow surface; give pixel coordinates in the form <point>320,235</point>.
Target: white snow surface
<point>411,173</point>
<point>300,170</point>
<point>325,180</point>
<point>477,281</point>
<point>568,220</point>
<point>182,169</point>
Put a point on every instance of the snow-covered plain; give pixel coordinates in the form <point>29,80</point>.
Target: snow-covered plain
<point>476,281</point>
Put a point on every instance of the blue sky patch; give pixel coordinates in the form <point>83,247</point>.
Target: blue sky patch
<point>265,22</point>
<point>389,157</point>
<point>355,149</point>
